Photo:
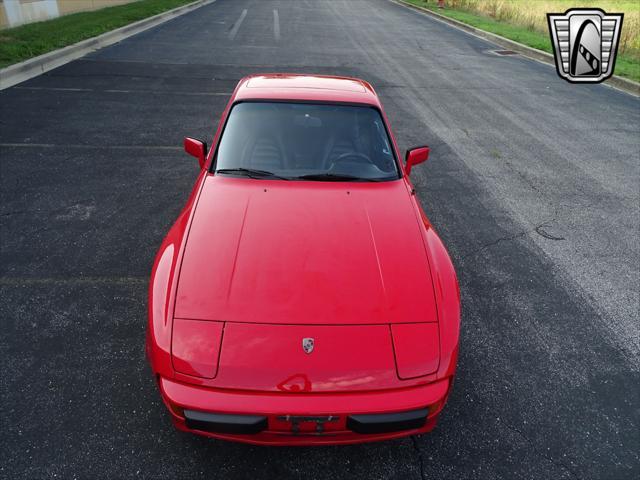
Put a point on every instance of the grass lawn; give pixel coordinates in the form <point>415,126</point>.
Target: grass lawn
<point>27,41</point>
<point>627,63</point>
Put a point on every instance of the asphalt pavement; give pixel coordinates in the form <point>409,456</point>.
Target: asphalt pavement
<point>533,183</point>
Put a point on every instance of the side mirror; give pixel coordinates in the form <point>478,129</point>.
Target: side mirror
<point>196,148</point>
<point>415,156</point>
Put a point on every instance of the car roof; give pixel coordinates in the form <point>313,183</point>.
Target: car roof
<point>286,86</point>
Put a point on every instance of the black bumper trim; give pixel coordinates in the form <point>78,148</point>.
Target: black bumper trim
<point>388,422</point>
<point>224,423</point>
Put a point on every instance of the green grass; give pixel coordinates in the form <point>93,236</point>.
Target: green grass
<point>27,41</point>
<point>627,65</point>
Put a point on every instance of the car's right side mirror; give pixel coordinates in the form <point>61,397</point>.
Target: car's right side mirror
<point>415,156</point>
<point>196,148</point>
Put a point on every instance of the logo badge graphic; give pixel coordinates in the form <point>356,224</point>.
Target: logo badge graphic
<point>307,344</point>
<point>585,43</point>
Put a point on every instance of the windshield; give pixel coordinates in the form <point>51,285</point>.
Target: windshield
<point>303,141</point>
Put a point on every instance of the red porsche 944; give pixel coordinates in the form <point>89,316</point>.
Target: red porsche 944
<point>302,296</point>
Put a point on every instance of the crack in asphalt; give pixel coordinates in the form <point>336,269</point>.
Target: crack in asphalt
<point>557,463</point>
<point>420,459</point>
<point>497,241</point>
<point>539,229</point>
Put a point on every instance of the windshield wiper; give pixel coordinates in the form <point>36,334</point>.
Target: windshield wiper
<point>335,177</point>
<point>250,172</point>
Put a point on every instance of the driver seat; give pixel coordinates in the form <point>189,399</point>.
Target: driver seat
<point>265,152</point>
<point>338,146</point>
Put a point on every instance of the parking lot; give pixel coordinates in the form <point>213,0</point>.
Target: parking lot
<point>532,184</point>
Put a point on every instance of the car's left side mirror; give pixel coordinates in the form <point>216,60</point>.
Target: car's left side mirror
<point>415,156</point>
<point>196,148</point>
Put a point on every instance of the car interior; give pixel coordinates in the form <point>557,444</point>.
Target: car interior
<point>293,139</point>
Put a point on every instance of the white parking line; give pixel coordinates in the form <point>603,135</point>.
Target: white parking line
<point>90,147</point>
<point>236,26</point>
<point>276,25</point>
<point>57,89</point>
<point>154,92</point>
<point>16,281</point>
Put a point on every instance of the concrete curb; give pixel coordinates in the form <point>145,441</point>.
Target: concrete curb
<point>19,72</point>
<point>628,86</point>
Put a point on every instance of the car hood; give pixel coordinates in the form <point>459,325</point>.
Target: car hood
<point>323,253</point>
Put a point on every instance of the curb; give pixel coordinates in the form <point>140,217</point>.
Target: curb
<point>19,72</point>
<point>620,83</point>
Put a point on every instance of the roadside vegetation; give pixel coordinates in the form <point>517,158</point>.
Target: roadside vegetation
<point>27,41</point>
<point>525,21</point>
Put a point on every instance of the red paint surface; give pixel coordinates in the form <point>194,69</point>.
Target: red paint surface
<point>196,346</point>
<point>417,349</point>
<point>271,358</point>
<point>305,253</point>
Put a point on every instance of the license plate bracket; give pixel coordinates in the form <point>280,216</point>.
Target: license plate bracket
<point>298,422</point>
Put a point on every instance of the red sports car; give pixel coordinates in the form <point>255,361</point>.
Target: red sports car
<point>302,296</point>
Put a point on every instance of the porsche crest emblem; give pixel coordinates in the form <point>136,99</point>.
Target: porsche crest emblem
<point>307,344</point>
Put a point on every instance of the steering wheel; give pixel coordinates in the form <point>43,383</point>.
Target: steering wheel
<point>354,157</point>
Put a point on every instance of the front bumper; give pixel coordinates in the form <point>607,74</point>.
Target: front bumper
<point>304,418</point>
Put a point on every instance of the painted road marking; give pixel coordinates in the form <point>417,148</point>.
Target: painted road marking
<point>90,147</point>
<point>18,281</point>
<point>276,25</point>
<point>154,92</point>
<point>236,26</point>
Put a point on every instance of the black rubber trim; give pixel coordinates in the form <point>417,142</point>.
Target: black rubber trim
<point>224,423</point>
<point>387,422</point>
